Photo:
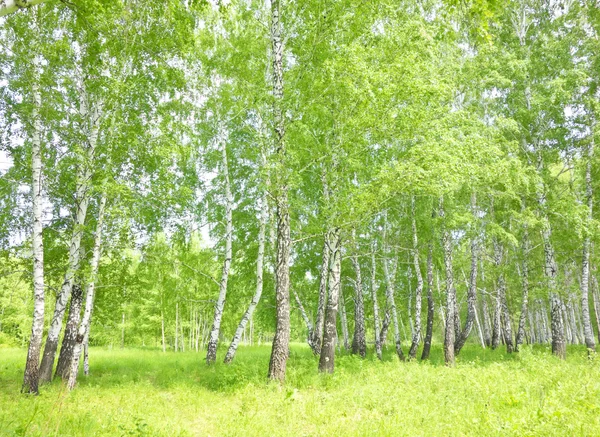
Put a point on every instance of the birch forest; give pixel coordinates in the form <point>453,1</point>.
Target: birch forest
<point>281,218</point>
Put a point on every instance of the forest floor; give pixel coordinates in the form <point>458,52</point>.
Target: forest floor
<point>134,392</point>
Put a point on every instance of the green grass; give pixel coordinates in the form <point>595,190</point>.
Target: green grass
<point>145,392</point>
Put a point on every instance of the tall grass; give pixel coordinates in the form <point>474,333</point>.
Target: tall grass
<point>149,393</point>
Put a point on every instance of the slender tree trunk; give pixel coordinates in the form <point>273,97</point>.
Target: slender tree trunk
<point>391,301</point>
<point>31,376</point>
<point>412,353</point>
<point>281,340</point>
<point>84,326</point>
<point>259,283</point>
<point>506,319</point>
<point>551,269</point>
<point>385,326</point>
<point>344,319</point>
<point>596,300</point>
<point>375,303</point>
<point>430,304</point>
<point>588,332</point>
<point>65,356</point>
<point>176,326</point>
<point>304,315</point>
<point>82,198</point>
<point>123,330</point>
<point>525,280</point>
<point>472,289</point>
<point>450,292</point>
<point>359,341</point>
<point>317,333</point>
<point>327,358</point>
<point>211,352</point>
<point>162,330</point>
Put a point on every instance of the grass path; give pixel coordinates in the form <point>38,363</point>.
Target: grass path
<point>147,393</point>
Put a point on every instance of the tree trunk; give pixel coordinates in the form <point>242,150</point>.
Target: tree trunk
<point>211,352</point>
<point>281,340</point>
<point>304,315</point>
<point>84,326</point>
<point>317,333</point>
<point>472,289</point>
<point>416,335</point>
<point>506,319</point>
<point>162,330</point>
<point>327,358</point>
<point>375,303</point>
<point>525,279</point>
<point>391,301</point>
<point>588,331</point>
<point>430,305</point>
<point>596,304</point>
<point>176,326</point>
<point>259,283</point>
<point>31,376</point>
<point>359,342</point>
<point>66,351</point>
<point>343,319</point>
<point>450,292</point>
<point>91,119</point>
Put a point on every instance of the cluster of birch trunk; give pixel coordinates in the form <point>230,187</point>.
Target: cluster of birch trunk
<point>476,262</point>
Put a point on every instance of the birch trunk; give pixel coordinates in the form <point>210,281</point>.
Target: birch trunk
<point>450,292</point>
<point>359,342</point>
<point>31,376</point>
<point>65,356</point>
<point>551,269</point>
<point>375,303</point>
<point>343,319</point>
<point>259,283</point>
<point>525,280</point>
<point>211,352</point>
<point>317,333</point>
<point>385,325</point>
<point>304,315</point>
<point>596,304</point>
<point>84,326</point>
<point>82,198</point>
<point>162,330</point>
<point>176,326</point>
<point>327,358</point>
<point>430,305</point>
<point>416,335</point>
<point>391,301</point>
<point>472,289</point>
<point>281,340</point>
<point>588,331</point>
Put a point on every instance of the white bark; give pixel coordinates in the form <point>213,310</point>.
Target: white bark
<point>31,377</point>
<point>375,303</point>
<point>264,216</point>
<point>390,297</point>
<point>588,332</point>
<point>84,326</point>
<point>211,353</point>
<point>82,198</point>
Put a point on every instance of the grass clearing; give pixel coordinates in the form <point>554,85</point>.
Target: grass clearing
<point>135,392</point>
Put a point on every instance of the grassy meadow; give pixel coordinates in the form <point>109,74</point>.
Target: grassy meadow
<point>135,392</point>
